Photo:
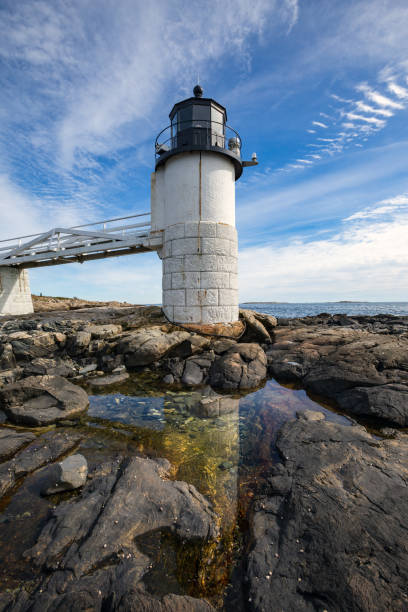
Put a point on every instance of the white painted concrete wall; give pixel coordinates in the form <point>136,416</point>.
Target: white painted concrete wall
<point>193,198</point>
<point>15,295</point>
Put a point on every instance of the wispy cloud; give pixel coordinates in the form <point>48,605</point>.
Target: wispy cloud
<point>387,207</point>
<point>83,87</point>
<point>319,124</point>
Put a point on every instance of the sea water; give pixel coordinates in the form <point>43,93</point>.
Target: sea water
<point>294,309</point>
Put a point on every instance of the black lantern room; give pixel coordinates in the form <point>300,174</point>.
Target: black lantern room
<point>199,124</point>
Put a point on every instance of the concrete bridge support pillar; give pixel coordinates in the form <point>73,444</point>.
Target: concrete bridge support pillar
<point>15,294</point>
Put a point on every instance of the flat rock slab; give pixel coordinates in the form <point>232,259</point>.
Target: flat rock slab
<point>89,545</point>
<point>332,534</point>
<point>112,379</point>
<point>42,400</point>
<point>11,441</point>
<point>44,449</point>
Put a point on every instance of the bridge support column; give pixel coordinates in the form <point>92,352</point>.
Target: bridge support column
<point>15,294</point>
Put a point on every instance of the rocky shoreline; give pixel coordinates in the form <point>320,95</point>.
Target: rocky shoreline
<point>329,530</point>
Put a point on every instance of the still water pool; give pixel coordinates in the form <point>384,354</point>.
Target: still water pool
<point>224,445</point>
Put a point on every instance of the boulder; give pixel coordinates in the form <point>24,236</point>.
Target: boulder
<point>7,359</point>
<point>78,343</point>
<point>193,374</point>
<point>44,365</point>
<point>255,330</point>
<point>386,402</point>
<point>331,534</point>
<point>66,475</point>
<point>243,366</point>
<point>29,345</point>
<point>146,346</point>
<point>42,400</point>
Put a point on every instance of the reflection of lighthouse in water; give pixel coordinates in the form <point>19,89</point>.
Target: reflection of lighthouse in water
<point>206,449</point>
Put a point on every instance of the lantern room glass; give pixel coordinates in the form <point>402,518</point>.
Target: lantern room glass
<point>198,125</point>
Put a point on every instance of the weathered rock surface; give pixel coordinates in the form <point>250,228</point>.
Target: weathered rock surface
<point>44,449</point>
<point>255,328</point>
<point>41,400</point>
<point>54,367</point>
<point>11,441</point>
<point>66,475</point>
<point>243,366</point>
<point>145,346</point>
<point>89,546</point>
<point>365,372</point>
<point>332,533</point>
<point>112,379</point>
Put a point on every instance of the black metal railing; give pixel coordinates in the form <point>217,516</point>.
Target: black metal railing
<point>197,133</point>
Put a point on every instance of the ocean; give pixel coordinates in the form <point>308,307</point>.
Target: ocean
<point>291,310</point>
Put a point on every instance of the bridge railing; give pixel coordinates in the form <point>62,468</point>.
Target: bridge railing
<point>63,241</point>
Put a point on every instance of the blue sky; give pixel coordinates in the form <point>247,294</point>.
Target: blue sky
<point>318,88</point>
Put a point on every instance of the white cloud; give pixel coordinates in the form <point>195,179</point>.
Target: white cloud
<point>319,124</point>
<point>400,92</point>
<point>374,120</point>
<point>388,206</point>
<point>367,259</point>
<point>366,108</point>
<point>379,98</point>
<point>100,78</point>
<point>22,213</point>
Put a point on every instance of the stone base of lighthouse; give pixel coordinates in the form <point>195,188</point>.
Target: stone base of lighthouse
<point>200,276</point>
<point>15,295</point>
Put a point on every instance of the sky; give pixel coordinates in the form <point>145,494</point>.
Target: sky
<point>318,88</point>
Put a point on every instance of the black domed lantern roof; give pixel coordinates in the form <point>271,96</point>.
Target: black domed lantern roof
<point>199,124</point>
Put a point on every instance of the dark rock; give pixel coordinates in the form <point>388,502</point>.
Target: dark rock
<point>192,374</point>
<point>11,441</point>
<point>344,363</point>
<point>66,475</point>
<point>54,367</point>
<point>41,400</point>
<point>43,450</point>
<point>387,402</point>
<point>94,538</point>
<point>332,533</point>
<point>255,330</point>
<point>27,346</point>
<point>78,343</point>
<point>242,366</point>
<point>9,376</point>
<point>168,379</point>
<point>7,359</point>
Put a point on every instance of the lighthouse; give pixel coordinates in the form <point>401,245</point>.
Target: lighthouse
<point>198,160</point>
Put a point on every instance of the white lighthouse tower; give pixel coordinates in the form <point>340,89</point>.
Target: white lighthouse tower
<point>198,160</point>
